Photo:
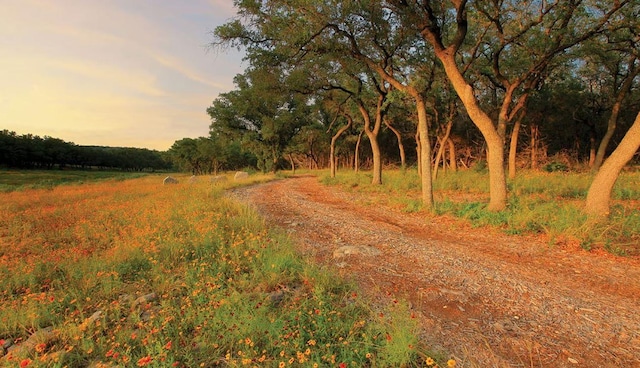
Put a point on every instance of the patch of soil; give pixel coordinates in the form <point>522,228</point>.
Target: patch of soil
<point>490,299</point>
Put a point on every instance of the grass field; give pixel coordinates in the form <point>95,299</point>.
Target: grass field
<point>539,203</point>
<point>12,180</point>
<point>133,273</point>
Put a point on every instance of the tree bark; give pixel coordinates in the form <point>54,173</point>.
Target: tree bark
<point>418,152</point>
<point>356,158</point>
<point>513,147</point>
<point>372,134</point>
<point>334,139</point>
<point>425,153</point>
<point>441,149</point>
<point>453,159</point>
<point>422,134</point>
<point>599,195</point>
<point>613,119</point>
<point>534,147</point>
<point>395,131</point>
<point>293,164</point>
<point>495,144</point>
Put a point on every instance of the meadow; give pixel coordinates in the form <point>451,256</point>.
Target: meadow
<point>12,180</point>
<point>134,273</point>
<point>540,203</point>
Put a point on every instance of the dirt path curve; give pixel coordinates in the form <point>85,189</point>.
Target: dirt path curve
<point>490,299</point>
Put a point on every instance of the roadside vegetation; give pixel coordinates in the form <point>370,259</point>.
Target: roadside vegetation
<point>542,203</point>
<point>136,273</point>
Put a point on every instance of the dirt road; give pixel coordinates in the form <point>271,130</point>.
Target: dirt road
<point>490,299</point>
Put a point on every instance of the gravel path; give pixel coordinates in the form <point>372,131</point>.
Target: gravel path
<point>490,299</point>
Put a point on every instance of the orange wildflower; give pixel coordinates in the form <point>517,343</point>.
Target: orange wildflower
<point>144,361</point>
<point>40,348</point>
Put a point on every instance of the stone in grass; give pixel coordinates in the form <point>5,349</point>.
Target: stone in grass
<point>241,175</point>
<point>42,336</point>
<point>89,321</point>
<point>170,180</point>
<point>353,249</point>
<point>141,301</point>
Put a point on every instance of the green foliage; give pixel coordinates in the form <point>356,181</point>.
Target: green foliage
<point>30,151</point>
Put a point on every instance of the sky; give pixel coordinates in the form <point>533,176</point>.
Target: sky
<point>121,73</point>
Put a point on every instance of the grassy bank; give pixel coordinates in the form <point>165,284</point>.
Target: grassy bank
<point>539,203</point>
<point>134,273</point>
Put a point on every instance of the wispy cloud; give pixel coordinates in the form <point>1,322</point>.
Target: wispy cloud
<point>126,80</point>
<point>179,66</point>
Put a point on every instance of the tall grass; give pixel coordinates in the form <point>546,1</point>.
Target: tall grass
<point>134,273</point>
<point>539,203</point>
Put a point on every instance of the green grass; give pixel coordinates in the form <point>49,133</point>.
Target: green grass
<point>539,203</point>
<point>11,180</point>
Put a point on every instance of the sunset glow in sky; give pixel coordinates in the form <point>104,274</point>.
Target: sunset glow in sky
<point>130,73</point>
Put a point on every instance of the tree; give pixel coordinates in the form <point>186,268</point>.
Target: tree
<point>263,113</point>
<point>599,195</point>
<point>540,30</point>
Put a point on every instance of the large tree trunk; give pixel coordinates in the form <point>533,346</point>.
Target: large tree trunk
<point>495,144</point>
<point>425,154</point>
<point>599,195</point>
<point>334,139</point>
<point>403,158</point>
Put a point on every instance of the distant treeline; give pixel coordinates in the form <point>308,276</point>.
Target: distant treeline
<point>30,151</point>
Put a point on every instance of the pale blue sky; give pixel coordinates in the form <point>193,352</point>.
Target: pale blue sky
<point>134,73</point>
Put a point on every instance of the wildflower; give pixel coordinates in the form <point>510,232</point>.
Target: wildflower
<point>451,363</point>
<point>282,365</point>
<point>429,361</point>
<point>311,342</point>
<point>40,348</point>
<point>368,356</point>
<point>342,365</point>
<point>144,361</point>
<point>25,363</point>
<point>167,346</point>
